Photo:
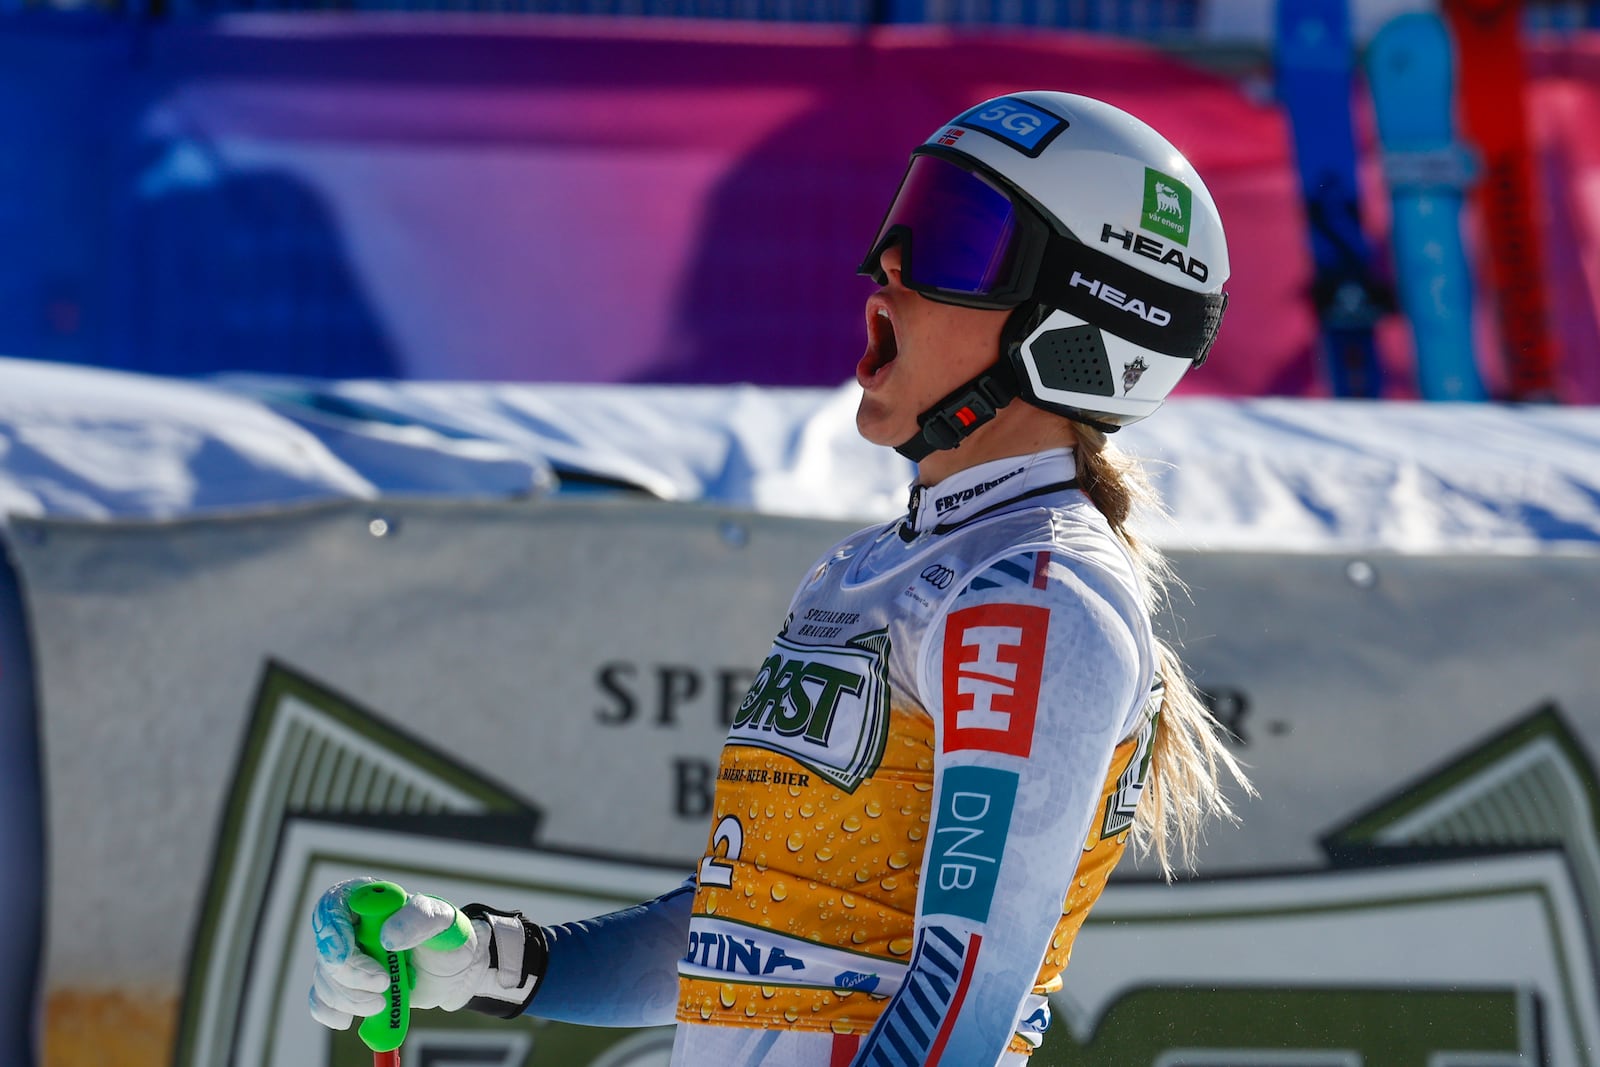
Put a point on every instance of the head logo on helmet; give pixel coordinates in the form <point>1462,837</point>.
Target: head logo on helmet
<point>1035,216</point>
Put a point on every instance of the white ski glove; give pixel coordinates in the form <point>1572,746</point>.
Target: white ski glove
<point>496,970</point>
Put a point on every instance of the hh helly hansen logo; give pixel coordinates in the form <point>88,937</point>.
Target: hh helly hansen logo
<point>993,658</point>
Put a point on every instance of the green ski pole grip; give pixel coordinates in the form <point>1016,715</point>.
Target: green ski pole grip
<point>371,904</point>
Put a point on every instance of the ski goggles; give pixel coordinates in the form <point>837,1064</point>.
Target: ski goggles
<point>963,239</point>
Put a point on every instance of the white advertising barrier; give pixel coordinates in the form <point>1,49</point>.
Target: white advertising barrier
<point>522,703</point>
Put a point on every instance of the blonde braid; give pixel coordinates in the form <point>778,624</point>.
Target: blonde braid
<point>1183,788</point>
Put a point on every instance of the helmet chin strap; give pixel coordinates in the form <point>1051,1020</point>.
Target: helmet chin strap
<point>976,402</point>
<point>969,406</point>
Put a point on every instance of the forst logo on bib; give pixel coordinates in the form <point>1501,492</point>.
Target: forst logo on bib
<point>1017,123</point>
<point>825,706</point>
<point>1167,203</point>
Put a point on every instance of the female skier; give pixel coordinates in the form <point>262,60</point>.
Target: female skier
<point>965,714</point>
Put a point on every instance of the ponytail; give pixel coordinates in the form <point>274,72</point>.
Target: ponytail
<point>1183,788</point>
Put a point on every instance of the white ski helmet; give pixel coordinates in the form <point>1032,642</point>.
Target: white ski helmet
<point>1087,222</point>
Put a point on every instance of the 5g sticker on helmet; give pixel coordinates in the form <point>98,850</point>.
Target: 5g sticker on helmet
<point>1024,127</point>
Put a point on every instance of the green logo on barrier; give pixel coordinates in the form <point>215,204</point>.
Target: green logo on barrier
<point>1167,203</point>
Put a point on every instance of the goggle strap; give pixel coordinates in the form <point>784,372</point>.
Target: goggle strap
<point>1129,303</point>
<point>965,409</point>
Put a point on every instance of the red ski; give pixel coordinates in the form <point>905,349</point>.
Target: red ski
<point>1493,98</point>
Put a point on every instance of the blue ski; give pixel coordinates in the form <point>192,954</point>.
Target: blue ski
<point>1315,62</point>
<point>1410,73</point>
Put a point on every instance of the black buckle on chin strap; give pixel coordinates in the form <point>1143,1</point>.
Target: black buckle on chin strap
<point>949,421</point>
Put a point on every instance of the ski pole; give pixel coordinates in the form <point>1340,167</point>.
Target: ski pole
<point>371,904</point>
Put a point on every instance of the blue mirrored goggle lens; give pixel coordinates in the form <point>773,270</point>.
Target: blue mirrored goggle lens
<point>961,228</point>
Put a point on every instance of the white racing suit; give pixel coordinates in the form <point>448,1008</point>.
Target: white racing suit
<point>922,794</point>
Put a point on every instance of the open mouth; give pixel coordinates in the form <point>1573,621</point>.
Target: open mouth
<point>882,347</point>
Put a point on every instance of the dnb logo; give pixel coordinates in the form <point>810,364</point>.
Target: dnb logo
<point>1167,203</point>
<point>993,656</point>
<point>826,707</point>
<point>969,837</point>
<point>1024,127</point>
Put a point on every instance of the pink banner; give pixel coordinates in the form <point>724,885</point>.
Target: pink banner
<point>1565,116</point>
<point>600,200</point>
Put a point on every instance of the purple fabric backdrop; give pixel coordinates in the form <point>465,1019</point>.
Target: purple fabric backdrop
<point>590,201</point>
<point>604,200</point>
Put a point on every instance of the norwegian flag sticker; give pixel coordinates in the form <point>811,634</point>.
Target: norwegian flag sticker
<point>993,658</point>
